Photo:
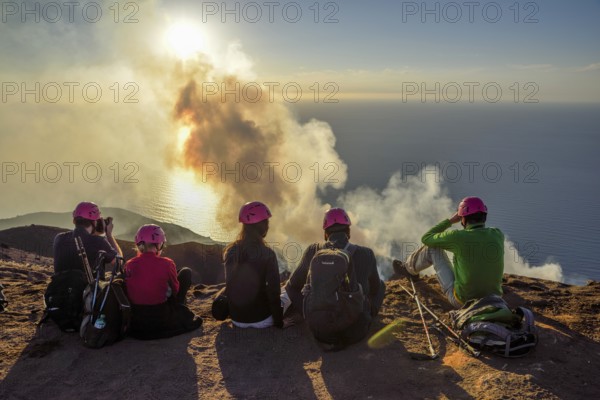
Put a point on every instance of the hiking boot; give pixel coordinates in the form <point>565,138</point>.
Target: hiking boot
<point>400,269</point>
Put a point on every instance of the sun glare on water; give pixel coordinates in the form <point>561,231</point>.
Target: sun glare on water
<point>182,136</point>
<point>192,203</point>
<point>185,39</point>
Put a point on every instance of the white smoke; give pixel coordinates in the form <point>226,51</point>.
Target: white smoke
<point>514,263</point>
<point>392,222</point>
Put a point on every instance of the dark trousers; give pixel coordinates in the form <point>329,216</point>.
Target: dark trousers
<point>377,301</point>
<point>167,319</point>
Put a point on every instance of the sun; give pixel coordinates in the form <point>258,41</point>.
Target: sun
<point>185,39</point>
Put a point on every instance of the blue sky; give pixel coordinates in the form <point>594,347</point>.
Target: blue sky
<point>372,49</point>
<point>371,37</point>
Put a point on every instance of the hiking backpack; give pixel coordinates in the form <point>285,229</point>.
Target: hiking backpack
<point>490,325</point>
<point>106,308</point>
<point>333,299</point>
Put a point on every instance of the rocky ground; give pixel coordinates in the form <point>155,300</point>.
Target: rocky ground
<point>220,361</point>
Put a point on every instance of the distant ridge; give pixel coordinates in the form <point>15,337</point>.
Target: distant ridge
<point>126,224</point>
<point>203,259</point>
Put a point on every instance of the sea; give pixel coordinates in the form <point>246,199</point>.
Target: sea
<point>535,165</point>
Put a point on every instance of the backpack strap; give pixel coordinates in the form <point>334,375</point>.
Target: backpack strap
<point>504,333</point>
<point>84,258</point>
<point>491,328</point>
<point>528,322</point>
<point>350,249</point>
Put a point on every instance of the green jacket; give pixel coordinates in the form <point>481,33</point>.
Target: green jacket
<point>478,257</point>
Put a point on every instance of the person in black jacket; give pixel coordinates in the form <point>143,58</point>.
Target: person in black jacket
<point>252,283</point>
<point>87,220</point>
<point>336,225</point>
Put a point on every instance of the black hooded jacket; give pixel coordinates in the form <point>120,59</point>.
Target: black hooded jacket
<point>252,283</point>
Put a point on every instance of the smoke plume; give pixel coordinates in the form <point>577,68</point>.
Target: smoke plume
<point>228,137</point>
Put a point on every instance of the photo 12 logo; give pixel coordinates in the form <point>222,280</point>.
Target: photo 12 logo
<point>470,12</point>
<point>270,11</point>
<point>269,172</point>
<point>68,92</point>
<point>52,12</point>
<point>472,171</point>
<point>527,250</point>
<point>253,92</point>
<point>454,92</point>
<point>67,172</point>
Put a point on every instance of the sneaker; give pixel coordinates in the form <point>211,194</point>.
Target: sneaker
<point>400,269</point>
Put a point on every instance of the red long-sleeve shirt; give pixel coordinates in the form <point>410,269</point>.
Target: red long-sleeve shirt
<point>148,278</point>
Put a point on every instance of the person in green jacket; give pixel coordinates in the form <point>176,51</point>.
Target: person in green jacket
<point>478,264</point>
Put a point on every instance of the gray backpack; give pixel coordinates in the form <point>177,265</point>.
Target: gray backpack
<point>333,299</point>
<point>106,309</point>
<point>490,325</point>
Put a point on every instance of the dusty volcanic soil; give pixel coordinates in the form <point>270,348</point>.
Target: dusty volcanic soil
<point>220,361</point>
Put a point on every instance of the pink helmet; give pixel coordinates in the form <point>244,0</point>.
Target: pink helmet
<point>150,234</point>
<point>87,210</point>
<point>254,212</point>
<point>336,216</point>
<point>471,205</point>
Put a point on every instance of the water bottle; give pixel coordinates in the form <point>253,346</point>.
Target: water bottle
<point>100,322</point>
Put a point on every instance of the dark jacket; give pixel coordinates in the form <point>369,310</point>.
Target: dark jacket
<point>252,284</point>
<point>65,251</point>
<point>365,266</point>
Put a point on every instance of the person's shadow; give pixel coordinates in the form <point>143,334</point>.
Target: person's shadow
<point>390,372</point>
<point>266,363</point>
<point>55,365</point>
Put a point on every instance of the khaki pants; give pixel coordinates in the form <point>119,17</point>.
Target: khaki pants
<point>423,258</point>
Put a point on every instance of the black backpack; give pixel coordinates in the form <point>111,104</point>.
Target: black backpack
<point>64,299</point>
<point>106,308</point>
<point>488,324</point>
<point>333,299</point>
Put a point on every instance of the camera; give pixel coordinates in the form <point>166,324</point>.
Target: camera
<point>101,224</point>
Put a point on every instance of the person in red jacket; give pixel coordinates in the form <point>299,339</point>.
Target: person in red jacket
<point>156,290</point>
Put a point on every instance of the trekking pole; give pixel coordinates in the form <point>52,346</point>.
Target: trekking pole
<point>434,355</point>
<point>470,349</point>
<point>99,261</point>
<point>84,259</point>
<point>112,276</point>
<point>118,267</point>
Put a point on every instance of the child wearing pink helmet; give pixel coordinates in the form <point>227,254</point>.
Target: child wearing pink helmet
<point>252,288</point>
<point>156,290</point>
<point>478,265</point>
